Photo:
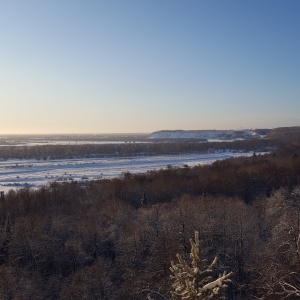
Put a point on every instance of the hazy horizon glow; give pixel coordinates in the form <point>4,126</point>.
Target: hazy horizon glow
<point>141,66</point>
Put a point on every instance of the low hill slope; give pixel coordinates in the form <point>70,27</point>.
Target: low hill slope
<point>204,134</point>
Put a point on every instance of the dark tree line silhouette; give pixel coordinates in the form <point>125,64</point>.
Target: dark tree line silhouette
<point>131,149</point>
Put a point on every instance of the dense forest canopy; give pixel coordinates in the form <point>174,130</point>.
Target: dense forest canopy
<point>114,239</point>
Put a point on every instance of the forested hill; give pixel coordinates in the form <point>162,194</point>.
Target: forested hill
<point>205,134</point>
<point>281,133</point>
<point>285,133</point>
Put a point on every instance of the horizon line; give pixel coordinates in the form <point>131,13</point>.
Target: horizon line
<point>138,133</point>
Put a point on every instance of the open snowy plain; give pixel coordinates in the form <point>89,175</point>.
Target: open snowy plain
<point>35,173</point>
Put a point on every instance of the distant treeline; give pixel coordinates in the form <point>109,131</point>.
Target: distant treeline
<point>132,149</point>
<point>285,133</point>
<point>114,239</point>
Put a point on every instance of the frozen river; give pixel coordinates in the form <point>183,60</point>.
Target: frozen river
<point>35,173</point>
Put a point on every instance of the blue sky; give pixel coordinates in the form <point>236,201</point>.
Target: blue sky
<point>138,66</point>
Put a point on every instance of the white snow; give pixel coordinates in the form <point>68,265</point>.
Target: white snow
<point>17,173</point>
<point>211,135</point>
<point>62,142</point>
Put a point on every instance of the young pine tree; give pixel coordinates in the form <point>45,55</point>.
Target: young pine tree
<point>194,281</point>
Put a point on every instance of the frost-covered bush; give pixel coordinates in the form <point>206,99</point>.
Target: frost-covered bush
<point>194,281</point>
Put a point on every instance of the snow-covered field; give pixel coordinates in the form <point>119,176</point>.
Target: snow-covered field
<point>62,142</point>
<point>70,139</point>
<point>18,173</point>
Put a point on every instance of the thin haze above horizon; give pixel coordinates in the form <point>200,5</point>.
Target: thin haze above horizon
<point>112,66</point>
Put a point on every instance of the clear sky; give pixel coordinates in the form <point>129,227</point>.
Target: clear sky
<point>116,66</point>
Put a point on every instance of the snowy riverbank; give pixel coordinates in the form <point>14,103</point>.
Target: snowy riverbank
<point>35,173</point>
